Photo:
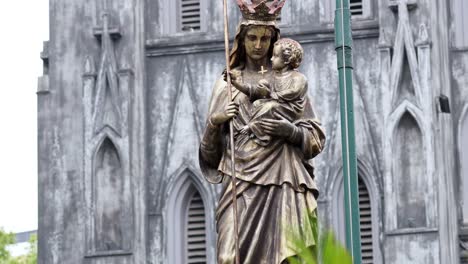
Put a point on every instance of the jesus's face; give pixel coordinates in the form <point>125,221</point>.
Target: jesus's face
<point>257,42</point>
<point>277,60</point>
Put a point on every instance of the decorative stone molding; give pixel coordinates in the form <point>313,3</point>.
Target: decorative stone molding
<point>106,100</point>
<point>183,136</point>
<point>413,98</point>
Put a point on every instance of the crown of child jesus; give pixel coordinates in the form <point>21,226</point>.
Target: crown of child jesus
<point>262,10</point>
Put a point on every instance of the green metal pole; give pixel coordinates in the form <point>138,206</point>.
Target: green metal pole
<point>343,44</point>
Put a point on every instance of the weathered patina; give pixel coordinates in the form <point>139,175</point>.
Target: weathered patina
<point>275,181</point>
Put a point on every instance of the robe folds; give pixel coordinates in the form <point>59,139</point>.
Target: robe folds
<point>290,90</point>
<point>275,187</point>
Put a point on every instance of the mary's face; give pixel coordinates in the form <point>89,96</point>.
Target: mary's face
<point>257,42</point>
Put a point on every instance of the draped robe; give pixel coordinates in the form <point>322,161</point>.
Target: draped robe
<point>275,188</point>
<point>290,90</point>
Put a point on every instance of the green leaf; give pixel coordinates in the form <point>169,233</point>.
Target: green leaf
<point>8,239</point>
<point>328,250</point>
<point>5,240</point>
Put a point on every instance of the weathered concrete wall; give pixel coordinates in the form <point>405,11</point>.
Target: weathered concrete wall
<point>65,211</point>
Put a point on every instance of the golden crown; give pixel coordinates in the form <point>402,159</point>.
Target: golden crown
<point>263,10</point>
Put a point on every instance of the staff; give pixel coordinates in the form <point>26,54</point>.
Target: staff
<point>231,135</point>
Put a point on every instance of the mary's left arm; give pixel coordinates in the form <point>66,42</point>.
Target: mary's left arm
<point>306,133</point>
<point>309,136</point>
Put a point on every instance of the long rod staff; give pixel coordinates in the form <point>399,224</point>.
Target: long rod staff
<point>231,134</point>
<point>343,44</point>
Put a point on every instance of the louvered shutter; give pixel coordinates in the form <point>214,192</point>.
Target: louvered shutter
<point>195,230</point>
<point>356,7</point>
<point>365,217</point>
<point>463,245</point>
<point>190,15</point>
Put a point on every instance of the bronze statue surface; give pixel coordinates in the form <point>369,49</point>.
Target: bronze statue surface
<point>276,135</point>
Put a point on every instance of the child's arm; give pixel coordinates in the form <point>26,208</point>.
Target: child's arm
<point>261,90</point>
<point>236,80</point>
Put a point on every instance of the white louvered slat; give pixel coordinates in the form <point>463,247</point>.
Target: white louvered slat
<point>365,218</point>
<point>190,19</point>
<point>356,7</point>
<point>196,233</point>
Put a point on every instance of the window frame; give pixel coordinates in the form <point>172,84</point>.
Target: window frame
<point>181,190</point>
<point>193,191</point>
<point>329,6</point>
<point>338,215</point>
<point>179,17</point>
<point>171,16</point>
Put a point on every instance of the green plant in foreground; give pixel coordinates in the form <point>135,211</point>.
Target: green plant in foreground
<point>328,250</point>
<point>5,240</point>
<point>31,256</point>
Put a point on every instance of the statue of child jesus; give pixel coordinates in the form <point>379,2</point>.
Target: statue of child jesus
<point>287,95</point>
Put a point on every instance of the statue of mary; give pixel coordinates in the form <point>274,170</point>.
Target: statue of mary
<point>276,190</point>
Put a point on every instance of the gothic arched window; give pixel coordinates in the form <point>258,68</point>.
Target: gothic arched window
<point>186,223</point>
<point>195,230</point>
<point>410,174</point>
<point>368,220</point>
<point>365,221</point>
<point>108,189</point>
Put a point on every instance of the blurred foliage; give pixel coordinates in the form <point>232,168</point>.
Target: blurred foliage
<point>7,239</point>
<point>328,250</point>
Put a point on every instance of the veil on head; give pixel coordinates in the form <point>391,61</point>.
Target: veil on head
<point>255,13</point>
<point>237,54</point>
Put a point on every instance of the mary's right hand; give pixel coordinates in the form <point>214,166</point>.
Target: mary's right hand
<point>231,111</point>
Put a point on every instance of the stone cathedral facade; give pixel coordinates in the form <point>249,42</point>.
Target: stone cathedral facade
<point>123,100</point>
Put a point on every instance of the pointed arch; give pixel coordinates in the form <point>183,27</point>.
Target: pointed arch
<point>189,220</point>
<point>183,134</point>
<point>403,124</point>
<point>409,170</point>
<point>108,187</point>
<point>107,103</point>
<point>369,209</point>
<point>405,107</point>
<point>404,53</point>
<point>185,84</point>
<point>463,154</point>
